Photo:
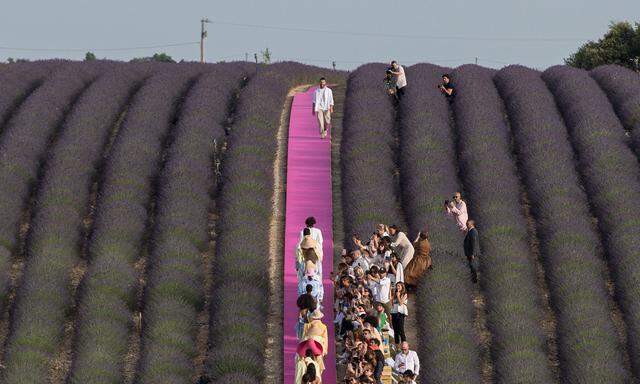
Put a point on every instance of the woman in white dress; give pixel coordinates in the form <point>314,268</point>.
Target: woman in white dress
<point>402,244</point>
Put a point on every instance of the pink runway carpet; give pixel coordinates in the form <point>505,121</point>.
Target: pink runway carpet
<point>308,194</point>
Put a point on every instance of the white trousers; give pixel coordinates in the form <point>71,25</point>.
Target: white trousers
<point>324,118</point>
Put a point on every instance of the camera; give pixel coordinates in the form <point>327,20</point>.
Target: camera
<point>446,202</point>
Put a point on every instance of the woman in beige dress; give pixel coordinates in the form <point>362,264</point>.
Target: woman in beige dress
<point>402,244</point>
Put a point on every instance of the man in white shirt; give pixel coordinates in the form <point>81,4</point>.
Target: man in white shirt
<point>401,79</point>
<point>359,261</point>
<point>407,360</point>
<point>384,291</point>
<point>323,106</point>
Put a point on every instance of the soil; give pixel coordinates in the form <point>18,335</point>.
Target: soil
<point>202,339</point>
<point>549,321</point>
<point>15,278</point>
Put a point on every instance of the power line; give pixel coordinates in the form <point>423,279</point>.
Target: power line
<point>97,49</point>
<point>402,36</point>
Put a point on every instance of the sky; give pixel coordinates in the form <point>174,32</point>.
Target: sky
<point>535,33</point>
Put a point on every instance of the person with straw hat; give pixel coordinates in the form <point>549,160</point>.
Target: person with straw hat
<point>316,337</point>
<point>315,329</point>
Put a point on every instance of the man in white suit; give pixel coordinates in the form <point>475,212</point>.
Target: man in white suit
<point>323,106</point>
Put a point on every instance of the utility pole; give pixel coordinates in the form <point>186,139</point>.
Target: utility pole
<point>476,61</point>
<point>203,35</point>
<point>333,63</point>
<point>246,56</point>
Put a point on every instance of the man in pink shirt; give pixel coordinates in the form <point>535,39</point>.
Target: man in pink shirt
<point>458,209</point>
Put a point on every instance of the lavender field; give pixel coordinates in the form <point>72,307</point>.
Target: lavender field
<point>136,202</point>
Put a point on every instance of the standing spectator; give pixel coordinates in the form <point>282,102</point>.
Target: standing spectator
<point>447,88</point>
<point>402,243</point>
<point>398,313</point>
<point>390,85</point>
<point>401,79</point>
<point>383,291</point>
<point>408,377</point>
<point>421,259</point>
<point>396,270</point>
<point>407,360</point>
<point>458,209</point>
<point>383,319</point>
<point>323,106</point>
<point>379,366</point>
<point>472,249</point>
<point>382,230</point>
<point>359,261</point>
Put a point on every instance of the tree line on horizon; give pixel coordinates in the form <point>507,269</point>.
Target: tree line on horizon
<point>620,45</point>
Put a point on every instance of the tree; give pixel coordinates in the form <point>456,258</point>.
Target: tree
<point>162,57</point>
<point>620,45</point>
<point>266,56</point>
<point>89,56</point>
<point>11,60</point>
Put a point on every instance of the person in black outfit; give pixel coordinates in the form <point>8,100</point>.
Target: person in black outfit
<point>307,301</point>
<point>447,88</point>
<point>472,249</point>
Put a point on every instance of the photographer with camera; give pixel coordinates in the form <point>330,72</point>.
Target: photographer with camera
<point>390,85</point>
<point>457,208</point>
<point>447,87</point>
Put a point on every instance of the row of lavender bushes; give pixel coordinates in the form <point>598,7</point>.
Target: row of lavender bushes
<point>367,153</point>
<point>23,143</point>
<point>571,251</point>
<point>622,86</point>
<point>18,82</point>
<point>53,243</point>
<point>508,271</point>
<point>241,290</point>
<point>611,176</point>
<point>446,340</point>
<point>108,293</point>
<point>175,287</point>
